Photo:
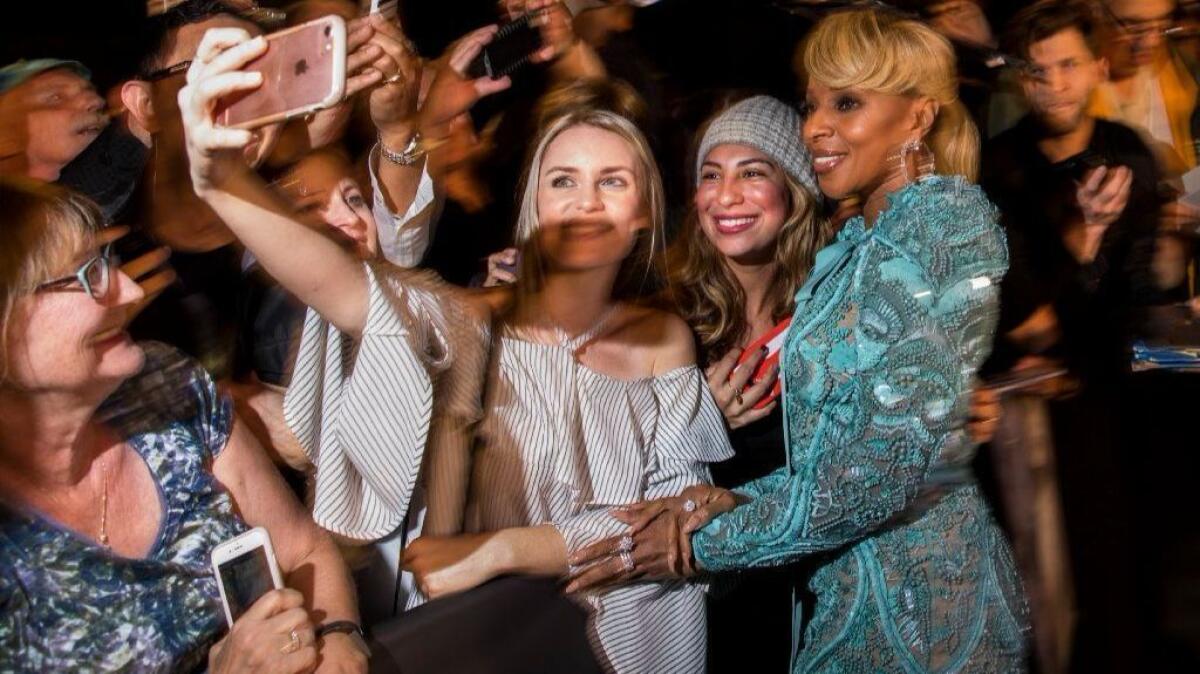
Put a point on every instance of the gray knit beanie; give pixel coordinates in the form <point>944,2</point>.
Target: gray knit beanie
<point>768,125</point>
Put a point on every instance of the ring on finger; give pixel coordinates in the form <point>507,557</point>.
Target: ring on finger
<point>627,560</point>
<point>625,544</point>
<point>739,400</point>
<point>393,79</point>
<point>689,506</point>
<point>293,645</point>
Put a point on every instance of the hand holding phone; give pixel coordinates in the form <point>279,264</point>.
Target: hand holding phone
<point>246,570</point>
<point>771,343</point>
<point>1103,194</point>
<point>303,70</point>
<point>512,47</point>
<point>745,383</point>
<point>453,92</point>
<point>273,635</point>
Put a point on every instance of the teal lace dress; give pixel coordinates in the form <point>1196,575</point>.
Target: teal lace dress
<point>878,365</point>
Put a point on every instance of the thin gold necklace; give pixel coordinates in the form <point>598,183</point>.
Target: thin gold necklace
<point>103,537</point>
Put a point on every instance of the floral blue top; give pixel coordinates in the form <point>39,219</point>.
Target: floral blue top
<point>878,366</point>
<point>67,604</point>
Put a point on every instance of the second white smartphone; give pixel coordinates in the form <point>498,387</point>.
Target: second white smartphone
<point>246,570</point>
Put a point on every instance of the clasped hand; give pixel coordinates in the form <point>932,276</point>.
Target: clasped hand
<point>657,545</point>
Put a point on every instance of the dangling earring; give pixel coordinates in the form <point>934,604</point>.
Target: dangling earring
<point>919,156</point>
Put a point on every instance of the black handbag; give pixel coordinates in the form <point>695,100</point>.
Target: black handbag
<point>511,625</point>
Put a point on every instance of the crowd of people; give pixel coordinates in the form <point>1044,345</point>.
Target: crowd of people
<point>721,365</point>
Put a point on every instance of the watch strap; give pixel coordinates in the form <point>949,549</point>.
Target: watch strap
<point>344,626</point>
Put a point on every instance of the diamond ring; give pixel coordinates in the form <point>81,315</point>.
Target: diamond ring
<point>293,645</point>
<point>689,506</point>
<point>626,560</point>
<point>625,544</point>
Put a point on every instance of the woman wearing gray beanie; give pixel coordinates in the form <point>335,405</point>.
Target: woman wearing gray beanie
<point>745,250</point>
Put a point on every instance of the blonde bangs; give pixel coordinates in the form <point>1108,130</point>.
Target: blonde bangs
<point>879,52</point>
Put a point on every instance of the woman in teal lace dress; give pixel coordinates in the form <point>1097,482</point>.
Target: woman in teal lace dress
<point>888,332</point>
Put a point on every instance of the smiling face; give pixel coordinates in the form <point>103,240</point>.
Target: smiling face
<point>589,199</point>
<point>326,197</point>
<point>1064,75</point>
<point>853,134</point>
<point>61,114</point>
<point>64,340</point>
<point>742,202</point>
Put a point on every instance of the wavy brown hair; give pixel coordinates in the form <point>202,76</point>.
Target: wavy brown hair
<point>705,292</point>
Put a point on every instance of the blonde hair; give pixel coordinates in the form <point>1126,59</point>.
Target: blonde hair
<point>708,296</point>
<point>637,271</point>
<point>884,52</point>
<point>593,94</point>
<point>43,229</point>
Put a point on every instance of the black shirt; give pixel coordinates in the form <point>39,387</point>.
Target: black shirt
<point>1095,302</point>
<point>199,314</point>
<point>108,170</point>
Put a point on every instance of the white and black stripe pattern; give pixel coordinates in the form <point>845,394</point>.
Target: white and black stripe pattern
<point>362,409</point>
<point>561,443</point>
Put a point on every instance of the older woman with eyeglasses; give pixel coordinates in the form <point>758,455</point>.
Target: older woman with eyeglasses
<point>121,467</point>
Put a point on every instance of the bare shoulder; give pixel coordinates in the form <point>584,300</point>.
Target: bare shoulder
<point>663,337</point>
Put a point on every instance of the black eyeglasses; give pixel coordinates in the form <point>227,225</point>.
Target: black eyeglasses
<point>93,276</point>
<point>169,71</point>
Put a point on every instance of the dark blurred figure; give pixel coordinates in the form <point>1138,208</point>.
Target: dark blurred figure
<point>1079,201</point>
<point>199,314</point>
<point>1152,85</point>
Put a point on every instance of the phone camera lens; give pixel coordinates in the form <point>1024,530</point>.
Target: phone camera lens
<point>328,30</point>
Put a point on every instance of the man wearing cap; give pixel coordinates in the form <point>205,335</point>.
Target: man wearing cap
<point>49,113</point>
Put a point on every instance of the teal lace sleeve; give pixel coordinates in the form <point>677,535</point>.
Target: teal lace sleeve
<point>877,381</point>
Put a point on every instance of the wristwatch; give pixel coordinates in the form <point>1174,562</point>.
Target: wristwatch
<point>409,155</point>
<point>346,627</point>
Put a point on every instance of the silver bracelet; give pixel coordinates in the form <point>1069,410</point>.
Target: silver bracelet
<point>411,153</point>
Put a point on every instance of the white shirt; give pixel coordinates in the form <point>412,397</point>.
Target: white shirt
<point>404,239</point>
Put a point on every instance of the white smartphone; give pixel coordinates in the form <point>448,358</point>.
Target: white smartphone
<point>303,69</point>
<point>246,570</point>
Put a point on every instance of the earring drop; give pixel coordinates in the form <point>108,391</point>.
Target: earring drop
<point>922,158</point>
